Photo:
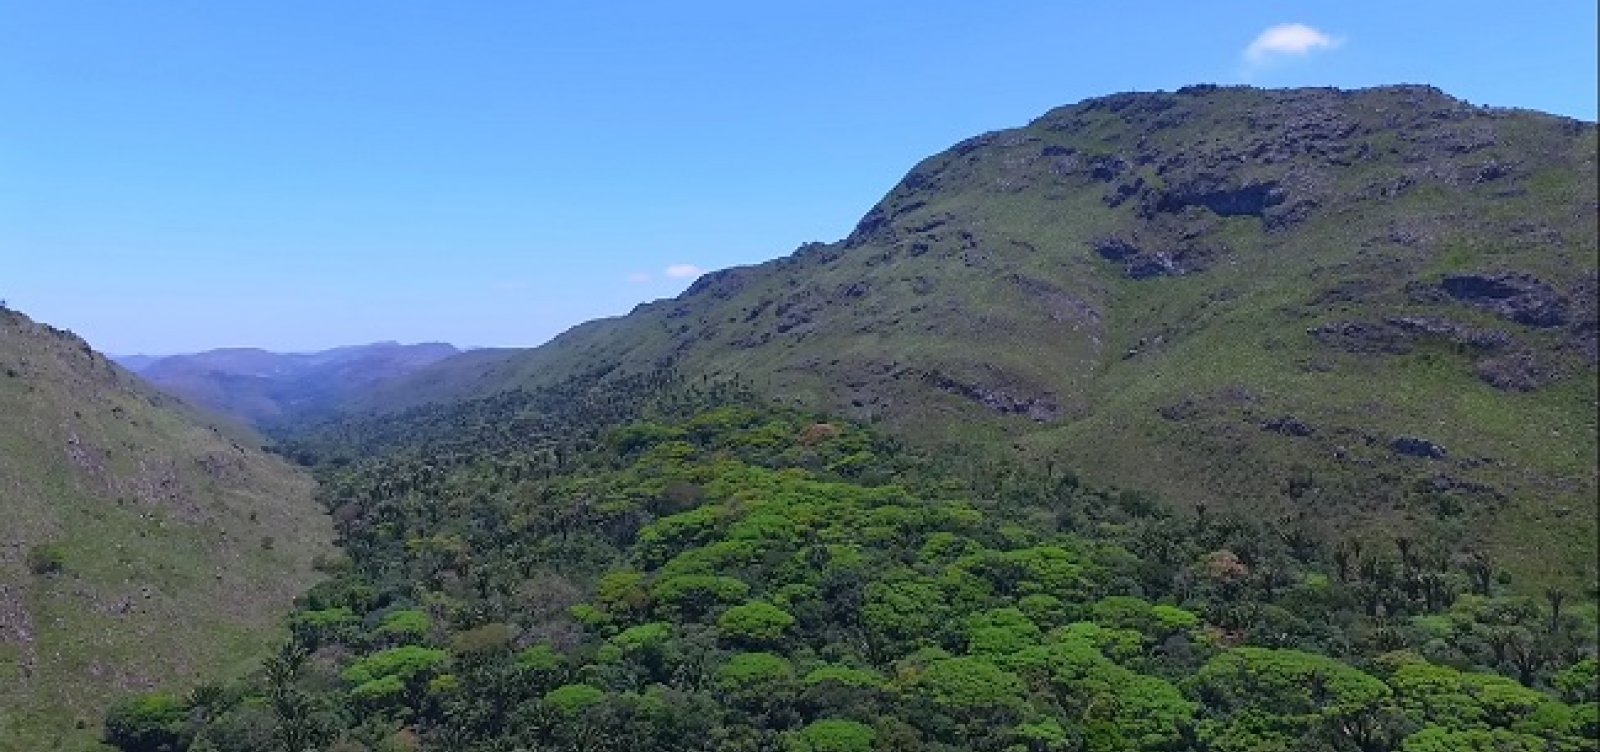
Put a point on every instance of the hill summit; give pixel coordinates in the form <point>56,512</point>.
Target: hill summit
<point>1375,308</point>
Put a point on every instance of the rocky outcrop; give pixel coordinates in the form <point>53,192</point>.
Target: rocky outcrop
<point>1140,263</point>
<point>1362,337</point>
<point>1452,331</point>
<point>1250,199</point>
<point>1411,446</point>
<point>1517,297</point>
<point>1399,334</point>
<point>1289,425</point>
<point>1502,361</point>
<point>1009,401</point>
<point>1521,371</point>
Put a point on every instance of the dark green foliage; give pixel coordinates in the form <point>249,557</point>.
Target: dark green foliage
<point>833,736</point>
<point>719,580</point>
<point>148,723</point>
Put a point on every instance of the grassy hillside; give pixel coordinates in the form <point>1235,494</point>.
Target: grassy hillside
<point>1373,308</point>
<point>141,548</point>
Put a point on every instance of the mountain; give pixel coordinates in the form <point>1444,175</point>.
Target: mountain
<point>1374,309</point>
<point>142,547</point>
<point>266,388</point>
<point>135,363</point>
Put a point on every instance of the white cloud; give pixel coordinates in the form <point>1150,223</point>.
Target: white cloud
<point>638,278</point>
<point>684,271</point>
<point>1293,39</point>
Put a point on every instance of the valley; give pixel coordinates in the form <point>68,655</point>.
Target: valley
<point>1224,419</point>
<point>267,389</point>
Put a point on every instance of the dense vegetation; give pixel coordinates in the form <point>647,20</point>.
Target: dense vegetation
<point>590,568</point>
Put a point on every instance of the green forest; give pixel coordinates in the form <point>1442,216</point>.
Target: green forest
<point>643,563</point>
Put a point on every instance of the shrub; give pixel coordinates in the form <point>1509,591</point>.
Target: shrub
<point>46,559</point>
<point>407,626</point>
<point>147,723</point>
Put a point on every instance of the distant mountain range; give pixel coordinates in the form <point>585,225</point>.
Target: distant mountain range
<point>266,389</point>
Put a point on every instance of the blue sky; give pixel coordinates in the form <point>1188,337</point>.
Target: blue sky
<point>176,176</point>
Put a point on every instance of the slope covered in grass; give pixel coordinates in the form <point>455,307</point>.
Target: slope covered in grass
<point>141,546</point>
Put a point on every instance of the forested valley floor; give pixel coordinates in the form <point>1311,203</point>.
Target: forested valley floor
<point>641,564</point>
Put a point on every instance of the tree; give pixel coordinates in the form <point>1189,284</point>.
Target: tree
<point>1579,682</point>
<point>405,627</point>
<point>691,596</point>
<point>571,699</point>
<point>1118,708</point>
<point>755,623</point>
<point>748,673</point>
<point>1437,739</point>
<point>833,735</point>
<point>297,729</point>
<point>970,684</point>
<point>1288,694</point>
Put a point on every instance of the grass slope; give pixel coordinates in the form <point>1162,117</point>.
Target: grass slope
<point>178,544</point>
<point>1372,308</point>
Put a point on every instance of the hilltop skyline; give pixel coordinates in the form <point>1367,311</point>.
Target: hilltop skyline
<point>204,177</point>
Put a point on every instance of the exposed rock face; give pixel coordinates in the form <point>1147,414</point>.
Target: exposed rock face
<point>1503,362</point>
<point>1518,297</point>
<point>1009,401</point>
<point>1251,200</point>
